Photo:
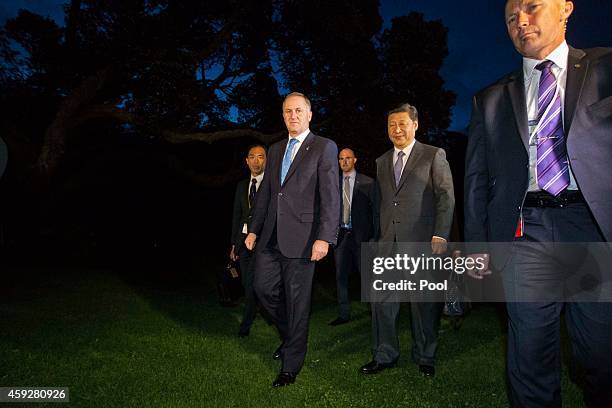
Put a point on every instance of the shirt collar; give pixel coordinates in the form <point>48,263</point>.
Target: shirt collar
<point>302,136</point>
<point>406,149</point>
<point>258,178</point>
<point>558,57</point>
<point>352,174</point>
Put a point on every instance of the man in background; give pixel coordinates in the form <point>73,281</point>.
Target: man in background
<point>246,191</point>
<point>357,192</point>
<point>294,221</point>
<point>538,171</point>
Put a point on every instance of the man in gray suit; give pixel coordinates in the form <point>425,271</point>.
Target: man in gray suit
<point>294,221</point>
<point>414,203</point>
<point>537,172</point>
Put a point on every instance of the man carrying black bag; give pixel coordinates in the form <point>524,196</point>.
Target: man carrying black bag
<point>246,191</point>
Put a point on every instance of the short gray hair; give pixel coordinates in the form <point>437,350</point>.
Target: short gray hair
<point>409,109</point>
<point>300,95</point>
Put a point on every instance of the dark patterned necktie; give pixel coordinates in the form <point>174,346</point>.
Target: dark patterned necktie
<point>397,169</point>
<point>252,192</point>
<point>346,201</point>
<point>552,165</point>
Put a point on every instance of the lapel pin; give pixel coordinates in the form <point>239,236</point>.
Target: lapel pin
<point>577,66</point>
<point>307,147</point>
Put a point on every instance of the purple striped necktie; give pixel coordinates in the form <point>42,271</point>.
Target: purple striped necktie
<point>552,164</point>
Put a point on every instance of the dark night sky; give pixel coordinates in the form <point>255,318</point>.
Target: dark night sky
<point>480,51</point>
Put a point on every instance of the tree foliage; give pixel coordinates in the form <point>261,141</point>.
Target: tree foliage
<point>176,71</point>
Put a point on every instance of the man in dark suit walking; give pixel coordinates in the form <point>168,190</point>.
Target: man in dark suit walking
<point>538,171</point>
<point>294,221</point>
<point>414,203</point>
<point>244,199</point>
<point>357,191</point>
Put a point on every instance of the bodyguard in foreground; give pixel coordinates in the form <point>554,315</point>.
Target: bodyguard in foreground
<point>538,169</point>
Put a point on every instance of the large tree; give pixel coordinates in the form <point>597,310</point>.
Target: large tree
<point>177,71</point>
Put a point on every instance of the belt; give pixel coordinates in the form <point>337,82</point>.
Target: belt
<point>542,199</point>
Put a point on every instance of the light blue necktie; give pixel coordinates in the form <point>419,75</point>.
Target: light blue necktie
<point>287,159</point>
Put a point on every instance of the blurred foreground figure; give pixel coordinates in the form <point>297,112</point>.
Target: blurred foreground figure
<point>538,170</point>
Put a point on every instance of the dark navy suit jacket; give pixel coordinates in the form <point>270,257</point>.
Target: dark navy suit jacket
<point>306,207</point>
<point>362,201</point>
<point>496,172</point>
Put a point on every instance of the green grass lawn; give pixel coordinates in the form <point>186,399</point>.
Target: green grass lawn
<point>117,345</point>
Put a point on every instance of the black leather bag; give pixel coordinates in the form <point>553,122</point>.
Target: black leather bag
<point>229,287</point>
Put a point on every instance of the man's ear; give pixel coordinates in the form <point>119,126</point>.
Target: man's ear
<point>568,9</point>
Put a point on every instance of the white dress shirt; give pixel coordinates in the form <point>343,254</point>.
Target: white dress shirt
<point>300,139</point>
<point>407,150</point>
<point>258,178</point>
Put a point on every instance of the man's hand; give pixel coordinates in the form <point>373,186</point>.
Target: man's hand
<point>249,241</point>
<point>233,254</point>
<point>438,245</point>
<point>319,250</point>
<point>481,266</point>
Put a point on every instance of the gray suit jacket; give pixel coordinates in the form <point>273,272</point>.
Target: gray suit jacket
<point>423,204</point>
<point>496,172</point>
<point>306,207</point>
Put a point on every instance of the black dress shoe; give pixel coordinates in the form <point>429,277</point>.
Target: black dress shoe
<point>277,353</point>
<point>427,371</point>
<point>374,367</point>
<point>243,332</point>
<point>338,321</point>
<point>283,379</point>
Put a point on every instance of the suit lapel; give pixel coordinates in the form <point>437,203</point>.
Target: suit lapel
<point>576,73</point>
<point>280,154</point>
<point>355,186</point>
<point>516,90</point>
<point>304,149</point>
<point>387,165</point>
<point>413,159</point>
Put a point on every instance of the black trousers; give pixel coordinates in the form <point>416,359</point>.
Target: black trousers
<point>246,261</point>
<point>284,287</point>
<point>347,258</point>
<point>534,355</point>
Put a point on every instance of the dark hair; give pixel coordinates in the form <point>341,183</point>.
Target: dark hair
<point>409,109</point>
<point>254,145</point>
